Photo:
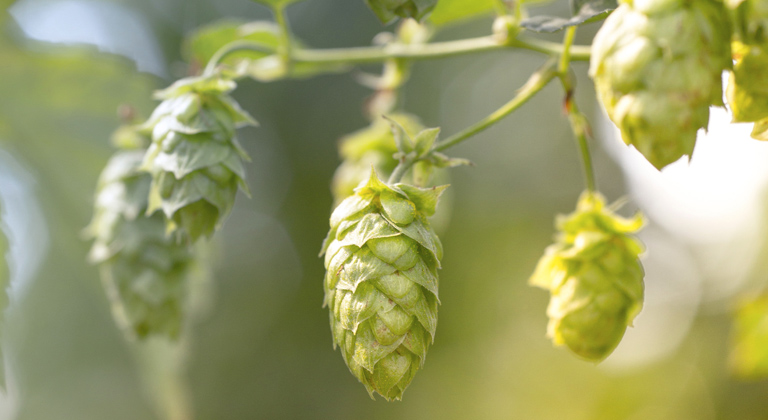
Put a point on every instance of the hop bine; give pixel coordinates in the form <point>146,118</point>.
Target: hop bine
<point>595,278</point>
<point>145,272</point>
<point>195,159</point>
<point>747,93</point>
<point>381,257</point>
<point>657,66</point>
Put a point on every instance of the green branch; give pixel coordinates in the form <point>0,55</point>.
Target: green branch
<point>536,83</point>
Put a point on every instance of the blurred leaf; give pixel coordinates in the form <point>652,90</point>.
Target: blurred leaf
<point>749,352</point>
<point>450,11</point>
<point>585,11</point>
<point>389,10</point>
<point>204,42</point>
<point>276,3</point>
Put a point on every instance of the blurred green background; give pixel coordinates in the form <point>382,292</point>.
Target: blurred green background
<point>264,349</point>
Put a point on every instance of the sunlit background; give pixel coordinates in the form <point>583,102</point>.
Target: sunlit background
<point>263,350</point>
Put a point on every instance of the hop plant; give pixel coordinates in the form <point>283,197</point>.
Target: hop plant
<point>382,257</point>
<point>746,92</point>
<point>143,270</point>
<point>657,67</point>
<point>195,159</point>
<point>595,278</point>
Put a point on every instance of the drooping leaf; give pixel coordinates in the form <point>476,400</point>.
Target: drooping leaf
<point>450,11</point>
<point>585,11</point>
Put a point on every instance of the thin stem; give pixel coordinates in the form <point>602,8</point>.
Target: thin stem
<point>400,171</point>
<point>232,47</point>
<point>577,120</point>
<point>536,83</point>
<point>286,45</point>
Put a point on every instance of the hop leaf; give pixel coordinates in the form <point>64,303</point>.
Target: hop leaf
<point>381,257</point>
<point>595,279</point>
<point>389,10</point>
<point>657,67</point>
<point>195,159</point>
<point>145,273</point>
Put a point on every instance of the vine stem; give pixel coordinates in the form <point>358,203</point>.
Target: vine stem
<point>400,171</point>
<point>376,54</point>
<point>286,44</point>
<point>535,83</point>
<point>577,120</point>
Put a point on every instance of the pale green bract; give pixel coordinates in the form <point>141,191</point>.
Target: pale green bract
<point>657,66</point>
<point>144,272</point>
<point>595,278</point>
<point>195,159</point>
<point>382,257</point>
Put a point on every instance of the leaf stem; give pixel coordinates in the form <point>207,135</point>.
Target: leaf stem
<point>579,123</point>
<point>535,83</point>
<point>400,170</point>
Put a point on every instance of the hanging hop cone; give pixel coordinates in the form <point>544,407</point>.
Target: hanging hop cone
<point>747,93</point>
<point>657,66</point>
<point>143,270</point>
<point>381,257</point>
<point>595,279</point>
<point>195,159</point>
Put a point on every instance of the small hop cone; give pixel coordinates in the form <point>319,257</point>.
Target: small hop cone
<point>746,93</point>
<point>749,341</point>
<point>657,66</point>
<point>195,159</point>
<point>145,273</point>
<point>595,279</point>
<point>382,257</point>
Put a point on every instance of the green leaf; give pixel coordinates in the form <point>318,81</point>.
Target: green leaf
<point>389,10</point>
<point>585,11</point>
<point>425,140</point>
<point>451,11</point>
<point>203,43</point>
<point>276,3</point>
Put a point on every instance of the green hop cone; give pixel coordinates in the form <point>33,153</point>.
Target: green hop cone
<point>595,278</point>
<point>195,159</point>
<point>749,341</point>
<point>143,270</point>
<point>382,257</point>
<point>657,66</point>
<point>747,93</point>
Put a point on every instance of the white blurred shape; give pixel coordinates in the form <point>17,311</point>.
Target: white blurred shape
<point>111,27</point>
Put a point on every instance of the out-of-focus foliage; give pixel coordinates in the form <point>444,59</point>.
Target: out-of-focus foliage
<point>749,357</point>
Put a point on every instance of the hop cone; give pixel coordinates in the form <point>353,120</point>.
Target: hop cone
<point>195,159</point>
<point>747,92</point>
<point>657,66</point>
<point>381,257</point>
<point>749,344</point>
<point>594,277</point>
<point>143,271</point>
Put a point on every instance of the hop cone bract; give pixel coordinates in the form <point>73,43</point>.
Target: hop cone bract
<point>195,159</point>
<point>747,92</point>
<point>143,270</point>
<point>657,66</point>
<point>595,279</point>
<point>381,257</point>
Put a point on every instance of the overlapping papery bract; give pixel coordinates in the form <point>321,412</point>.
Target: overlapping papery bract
<point>195,158</point>
<point>657,66</point>
<point>144,272</point>
<point>747,91</point>
<point>595,278</point>
<point>382,257</point>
